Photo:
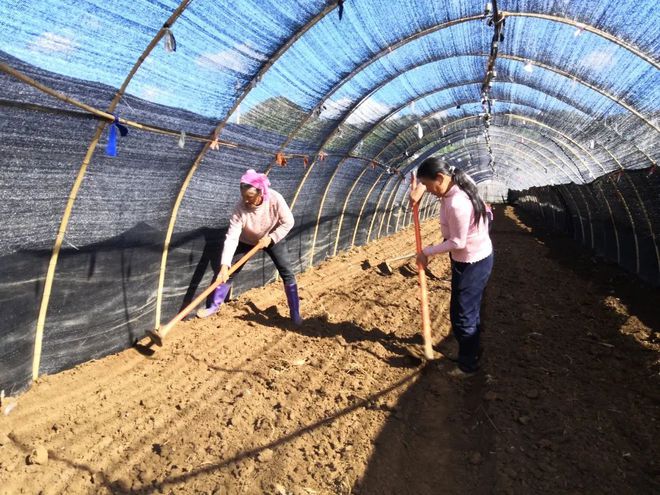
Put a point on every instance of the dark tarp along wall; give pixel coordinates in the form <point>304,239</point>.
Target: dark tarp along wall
<point>618,216</point>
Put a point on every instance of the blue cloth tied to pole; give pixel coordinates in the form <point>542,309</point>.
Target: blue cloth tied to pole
<point>111,148</point>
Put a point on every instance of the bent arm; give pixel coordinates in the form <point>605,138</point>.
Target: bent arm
<point>458,219</point>
<point>232,237</point>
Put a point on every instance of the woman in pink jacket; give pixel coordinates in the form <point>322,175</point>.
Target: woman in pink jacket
<point>261,217</point>
<point>464,222</point>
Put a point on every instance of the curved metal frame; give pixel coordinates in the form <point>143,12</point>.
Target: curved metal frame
<point>323,198</point>
<point>364,203</point>
<point>630,217</point>
<point>435,91</point>
<point>510,57</point>
<point>584,199</point>
<point>614,228</point>
<point>271,61</point>
<point>545,126</point>
<point>587,27</point>
<point>434,147</point>
<point>440,27</point>
<point>586,206</point>
<point>441,129</point>
<point>342,161</point>
<point>341,216</point>
<point>380,197</point>
<point>320,212</point>
<point>216,132</point>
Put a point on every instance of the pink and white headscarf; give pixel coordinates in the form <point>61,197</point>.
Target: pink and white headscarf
<point>255,179</point>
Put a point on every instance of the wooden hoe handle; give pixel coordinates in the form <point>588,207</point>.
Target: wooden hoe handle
<point>404,257</point>
<point>423,292</point>
<point>157,335</point>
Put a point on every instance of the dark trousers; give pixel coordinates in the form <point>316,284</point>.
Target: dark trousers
<point>468,281</point>
<point>277,252</point>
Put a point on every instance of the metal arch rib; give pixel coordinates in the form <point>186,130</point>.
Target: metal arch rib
<point>564,170</point>
<point>473,140</point>
<point>452,86</point>
<point>474,117</point>
<point>587,27</point>
<point>430,115</point>
<point>375,212</point>
<point>426,146</point>
<point>367,63</point>
<point>328,186</point>
<point>508,57</point>
<point>546,126</point>
<point>584,83</point>
<point>371,189</point>
<point>445,25</point>
<point>539,64</point>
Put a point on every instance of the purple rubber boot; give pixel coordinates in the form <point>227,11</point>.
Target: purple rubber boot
<point>294,303</point>
<point>219,296</point>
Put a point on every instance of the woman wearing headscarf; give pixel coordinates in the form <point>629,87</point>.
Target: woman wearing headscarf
<point>464,223</point>
<point>261,217</point>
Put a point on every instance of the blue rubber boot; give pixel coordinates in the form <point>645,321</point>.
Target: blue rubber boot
<point>294,303</point>
<point>219,296</point>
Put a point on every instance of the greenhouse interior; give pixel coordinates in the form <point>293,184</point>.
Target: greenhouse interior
<point>330,247</point>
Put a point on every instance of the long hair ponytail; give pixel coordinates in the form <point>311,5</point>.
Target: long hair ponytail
<point>431,167</point>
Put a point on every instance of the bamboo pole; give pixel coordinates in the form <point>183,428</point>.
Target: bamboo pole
<point>216,132</point>
<point>343,210</point>
<point>615,230</point>
<point>439,27</point>
<point>517,163</point>
<point>50,274</point>
<point>586,27</point>
<point>521,59</point>
<point>387,206</point>
<point>642,208</point>
<point>578,212</point>
<point>364,204</point>
<point>466,119</point>
<point>378,200</point>
<point>363,66</point>
<point>568,75</point>
<point>565,74</point>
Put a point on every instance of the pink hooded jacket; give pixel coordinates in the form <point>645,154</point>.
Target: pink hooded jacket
<point>464,241</point>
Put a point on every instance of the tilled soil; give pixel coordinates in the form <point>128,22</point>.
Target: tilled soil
<point>567,401</point>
